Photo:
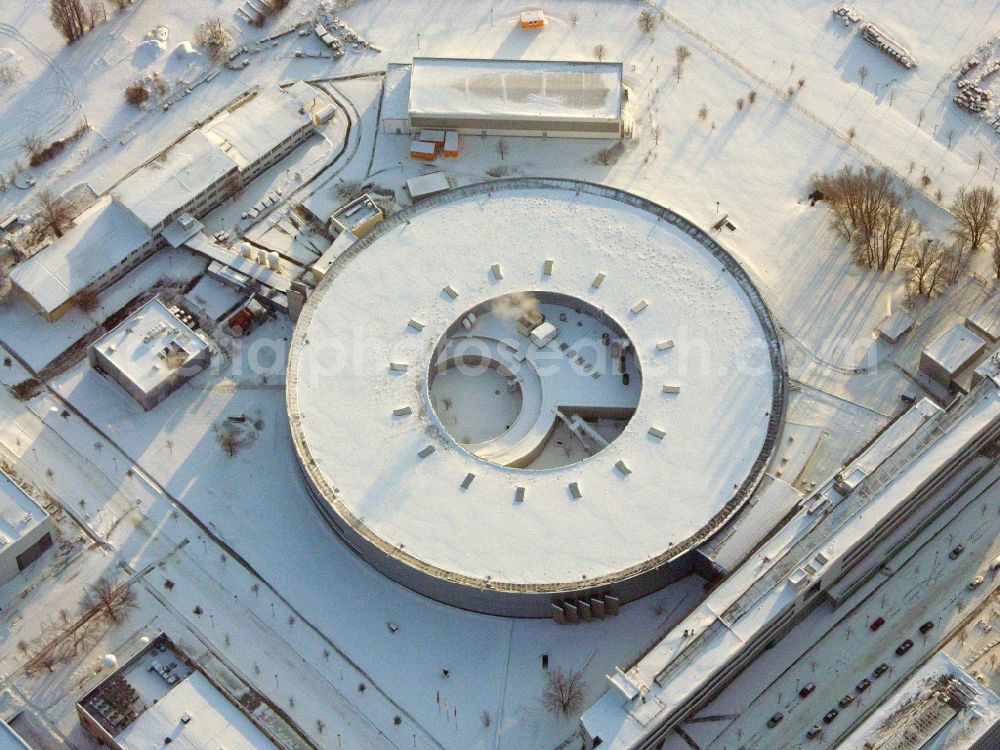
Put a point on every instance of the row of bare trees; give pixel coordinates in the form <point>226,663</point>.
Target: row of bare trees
<point>885,234</point>
<point>105,602</point>
<point>870,215</point>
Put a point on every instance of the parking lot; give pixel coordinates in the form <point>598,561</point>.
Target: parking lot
<point>838,652</point>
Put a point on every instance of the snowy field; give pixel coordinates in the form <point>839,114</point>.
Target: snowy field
<point>285,605</point>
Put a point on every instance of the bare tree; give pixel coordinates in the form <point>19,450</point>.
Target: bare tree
<point>657,133</point>
<point>703,112</point>
<point>605,156</point>
<point>136,94</point>
<point>574,18</point>
<point>563,692</point>
<point>502,148</point>
<point>599,52</point>
<point>32,145</point>
<point>996,260</point>
<point>863,74</point>
<point>54,212</point>
<point>975,214</point>
<point>681,54</point>
<point>927,268</point>
<point>212,35</point>
<point>869,214</point>
<point>70,17</point>
<point>647,21</point>
<point>114,599</point>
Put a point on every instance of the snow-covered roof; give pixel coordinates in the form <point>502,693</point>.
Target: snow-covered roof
<point>516,89</point>
<point>135,347</point>
<point>396,91</point>
<point>172,179</point>
<point>758,592</point>
<point>985,320</point>
<point>11,740</point>
<point>641,495</point>
<point>19,514</point>
<point>953,349</point>
<point>195,716</point>
<point>424,185</point>
<point>914,710</point>
<point>895,325</point>
<point>251,130</point>
<point>103,236</point>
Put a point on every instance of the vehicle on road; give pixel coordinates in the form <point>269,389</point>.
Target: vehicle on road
<point>830,716</point>
<point>903,647</point>
<point>956,552</point>
<point>880,670</point>
<point>815,731</point>
<point>877,623</point>
<point>926,627</point>
<point>775,720</point>
<point>807,689</point>
<point>863,685</point>
<point>995,565</point>
<point>846,701</point>
<point>976,582</point>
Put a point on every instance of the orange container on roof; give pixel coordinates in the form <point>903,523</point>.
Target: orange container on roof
<point>532,19</point>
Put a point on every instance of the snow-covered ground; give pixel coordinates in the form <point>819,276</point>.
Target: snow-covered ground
<point>328,630</point>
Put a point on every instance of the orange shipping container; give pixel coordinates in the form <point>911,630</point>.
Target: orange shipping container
<point>423,150</point>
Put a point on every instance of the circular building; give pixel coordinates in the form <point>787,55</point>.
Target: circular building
<point>534,397</point>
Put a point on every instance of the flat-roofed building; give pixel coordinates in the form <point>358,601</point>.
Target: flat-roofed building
<point>26,531</point>
<point>150,354</point>
<point>950,355</point>
<point>984,321</point>
<point>105,242</point>
<point>506,97</point>
<point>160,698</point>
<point>358,217</point>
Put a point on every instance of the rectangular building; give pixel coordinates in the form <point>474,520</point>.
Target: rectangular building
<point>261,131</point>
<point>950,354</point>
<point>26,530</point>
<point>150,354</point>
<point>159,698</point>
<point>507,97</point>
<point>104,243</point>
<point>192,176</point>
<point>358,217</point>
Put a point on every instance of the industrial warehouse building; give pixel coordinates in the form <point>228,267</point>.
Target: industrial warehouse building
<point>506,98</point>
<point>192,177</point>
<point>26,530</point>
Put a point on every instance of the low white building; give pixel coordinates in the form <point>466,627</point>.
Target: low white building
<point>150,354</point>
<point>192,177</point>
<point>26,531</point>
<point>105,242</point>
<point>159,698</point>
<point>566,99</point>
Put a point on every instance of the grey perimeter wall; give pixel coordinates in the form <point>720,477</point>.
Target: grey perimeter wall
<point>526,600</point>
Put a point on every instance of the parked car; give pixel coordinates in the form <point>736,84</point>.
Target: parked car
<point>976,582</point>
<point>775,720</point>
<point>995,565</point>
<point>877,623</point>
<point>830,716</point>
<point>880,670</point>
<point>926,627</point>
<point>863,685</point>
<point>815,731</point>
<point>846,701</point>
<point>903,647</point>
<point>956,552</point>
<point>805,690</point>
